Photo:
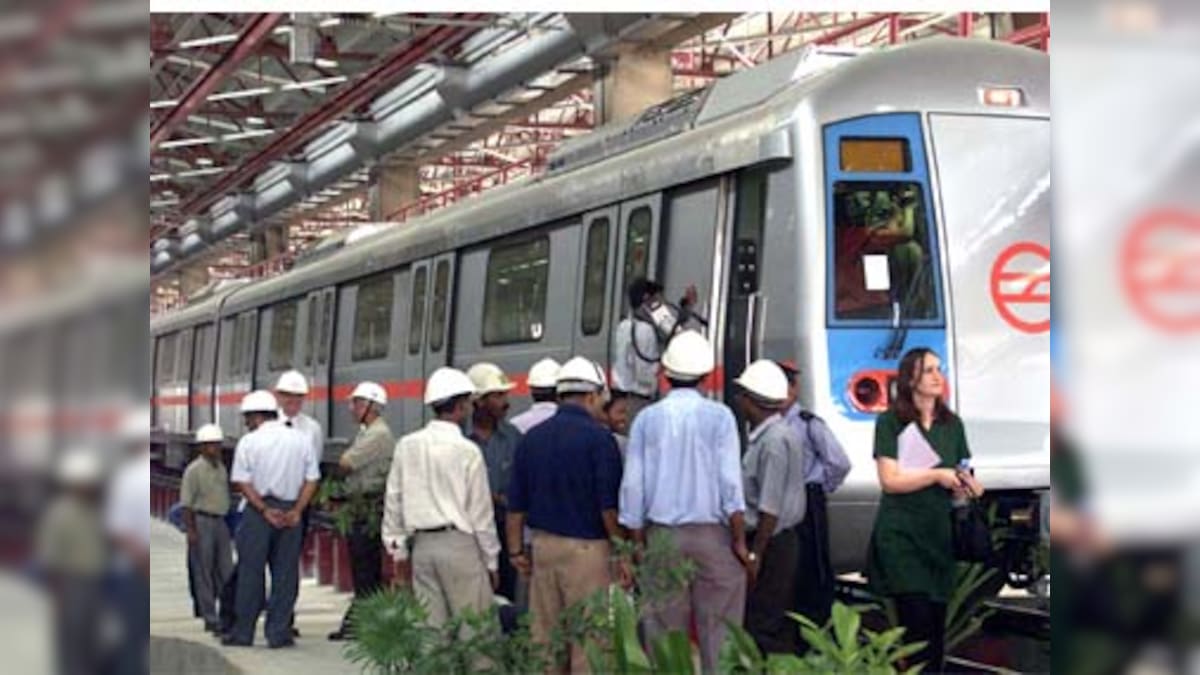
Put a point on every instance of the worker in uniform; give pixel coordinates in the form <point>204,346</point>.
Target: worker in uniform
<point>826,466</point>
<point>365,466</point>
<point>641,337</point>
<point>291,389</point>
<point>565,483</point>
<point>541,380</point>
<point>683,475</point>
<point>71,552</point>
<point>204,495</point>
<point>438,500</point>
<point>911,555</point>
<point>497,438</point>
<point>276,469</point>
<point>772,470</point>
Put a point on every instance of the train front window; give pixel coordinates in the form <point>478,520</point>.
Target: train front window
<point>882,262</point>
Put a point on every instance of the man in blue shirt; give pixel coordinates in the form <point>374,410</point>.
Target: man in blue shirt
<point>565,481</point>
<point>683,475</point>
<point>825,468</point>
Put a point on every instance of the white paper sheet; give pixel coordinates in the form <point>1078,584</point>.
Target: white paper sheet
<point>914,452</point>
<point>875,271</point>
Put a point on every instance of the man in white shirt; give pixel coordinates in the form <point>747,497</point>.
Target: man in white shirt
<point>641,337</point>
<point>291,389</point>
<point>542,379</point>
<point>276,469</point>
<point>438,497</point>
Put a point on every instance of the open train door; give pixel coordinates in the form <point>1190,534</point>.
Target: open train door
<point>994,174</point>
<point>318,346</point>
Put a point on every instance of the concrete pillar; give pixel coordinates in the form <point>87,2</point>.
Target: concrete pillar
<point>397,184</point>
<point>635,78</point>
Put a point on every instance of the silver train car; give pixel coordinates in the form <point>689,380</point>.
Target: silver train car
<point>831,208</point>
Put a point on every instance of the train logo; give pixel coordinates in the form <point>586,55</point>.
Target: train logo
<point>1020,286</point>
<point>1160,270</point>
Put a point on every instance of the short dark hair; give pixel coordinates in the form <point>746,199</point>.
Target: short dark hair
<point>447,406</point>
<point>542,394</point>
<point>684,384</point>
<point>639,288</point>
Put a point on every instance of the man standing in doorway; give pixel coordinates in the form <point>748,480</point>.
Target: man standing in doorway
<point>365,466</point>
<point>277,471</point>
<point>498,440</point>
<point>641,337</point>
<point>437,495</point>
<point>683,475</point>
<point>825,468</point>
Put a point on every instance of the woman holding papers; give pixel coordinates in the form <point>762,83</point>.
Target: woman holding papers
<point>918,444</point>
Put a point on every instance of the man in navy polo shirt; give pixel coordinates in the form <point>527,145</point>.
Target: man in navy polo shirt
<point>566,477</point>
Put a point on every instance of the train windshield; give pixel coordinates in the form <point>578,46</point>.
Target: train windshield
<point>883,269</point>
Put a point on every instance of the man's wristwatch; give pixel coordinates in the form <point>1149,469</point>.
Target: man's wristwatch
<point>752,557</point>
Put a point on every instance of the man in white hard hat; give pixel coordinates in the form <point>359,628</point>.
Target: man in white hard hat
<point>566,479</point>
<point>826,466</point>
<point>773,470</point>
<point>71,550</point>
<point>291,389</point>
<point>683,475</point>
<point>497,438</point>
<point>276,469</point>
<point>204,496</point>
<point>542,378</point>
<point>365,466</point>
<point>438,500</point>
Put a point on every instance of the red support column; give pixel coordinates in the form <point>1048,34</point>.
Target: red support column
<point>345,578</point>
<point>324,556</point>
<point>966,24</point>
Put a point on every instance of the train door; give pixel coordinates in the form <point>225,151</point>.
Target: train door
<point>596,297</point>
<point>637,252</point>
<point>744,300</point>
<point>237,366</point>
<point>994,179</point>
<point>413,359</point>
<point>437,343</point>
<point>318,343</point>
<point>204,346</point>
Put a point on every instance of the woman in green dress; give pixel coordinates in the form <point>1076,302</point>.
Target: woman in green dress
<point>911,559</point>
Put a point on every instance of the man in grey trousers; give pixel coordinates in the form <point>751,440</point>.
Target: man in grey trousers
<point>204,496</point>
<point>277,471</point>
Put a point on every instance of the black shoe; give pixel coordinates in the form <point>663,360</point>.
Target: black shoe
<point>282,645</point>
<point>213,628</point>
<point>295,632</point>
<point>230,641</point>
<point>340,635</point>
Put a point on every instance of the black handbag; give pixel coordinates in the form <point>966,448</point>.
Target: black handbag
<point>971,533</point>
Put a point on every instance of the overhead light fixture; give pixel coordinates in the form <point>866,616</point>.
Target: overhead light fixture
<point>208,41</point>
<point>204,161</point>
<point>158,177</point>
<point>243,93</point>
<point>185,142</point>
<point>195,173</point>
<point>331,22</point>
<point>313,84</point>
<point>258,121</point>
<point>252,133</point>
<point>325,63</point>
<point>171,103</point>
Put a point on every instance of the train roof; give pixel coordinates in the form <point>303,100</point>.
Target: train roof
<point>742,120</point>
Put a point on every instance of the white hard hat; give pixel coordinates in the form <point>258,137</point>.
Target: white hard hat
<point>446,383</point>
<point>292,382</point>
<point>580,375</point>
<point>80,466</point>
<point>210,433</point>
<point>135,425</point>
<point>543,374</point>
<point>488,378</point>
<point>689,356</point>
<point>765,380</point>
<point>370,391</point>
<point>259,401</point>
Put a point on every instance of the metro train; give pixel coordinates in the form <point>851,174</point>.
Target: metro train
<point>835,208</point>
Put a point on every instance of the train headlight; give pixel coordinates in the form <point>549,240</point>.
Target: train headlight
<point>867,395</point>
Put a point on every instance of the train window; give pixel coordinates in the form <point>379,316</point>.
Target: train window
<point>203,366</point>
<point>591,317</point>
<point>875,155</point>
<point>416,319</point>
<point>637,244</point>
<point>164,371</point>
<point>373,318</point>
<point>441,292</point>
<point>310,336</point>
<point>283,335</point>
<point>326,326</point>
<point>881,262</point>
<point>230,335</point>
<point>514,305</point>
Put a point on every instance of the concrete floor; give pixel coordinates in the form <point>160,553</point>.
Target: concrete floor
<point>318,611</point>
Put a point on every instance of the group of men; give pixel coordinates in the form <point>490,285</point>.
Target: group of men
<point>476,505</point>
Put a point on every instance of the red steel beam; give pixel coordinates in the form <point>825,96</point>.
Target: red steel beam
<point>348,98</point>
<point>1039,33</point>
<point>257,31</point>
<point>850,29</point>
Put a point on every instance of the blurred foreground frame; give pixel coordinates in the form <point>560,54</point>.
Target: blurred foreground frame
<point>1127,225</point>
